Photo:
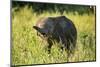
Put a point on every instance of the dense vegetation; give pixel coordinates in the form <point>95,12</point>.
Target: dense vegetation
<point>53,7</point>
<point>28,48</point>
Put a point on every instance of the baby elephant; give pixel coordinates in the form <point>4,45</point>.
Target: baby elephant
<point>60,29</point>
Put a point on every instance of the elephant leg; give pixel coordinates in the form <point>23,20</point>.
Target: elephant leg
<point>49,46</point>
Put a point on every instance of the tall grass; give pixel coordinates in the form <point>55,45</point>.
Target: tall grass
<point>28,48</point>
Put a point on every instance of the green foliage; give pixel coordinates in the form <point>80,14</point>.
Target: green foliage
<point>28,48</point>
<point>53,7</point>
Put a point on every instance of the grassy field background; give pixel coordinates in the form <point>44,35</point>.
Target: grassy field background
<point>28,48</point>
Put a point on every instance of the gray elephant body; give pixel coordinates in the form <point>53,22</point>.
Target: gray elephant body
<point>60,29</point>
